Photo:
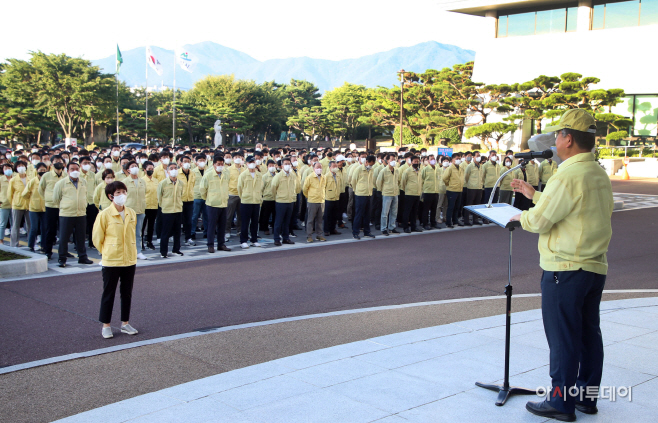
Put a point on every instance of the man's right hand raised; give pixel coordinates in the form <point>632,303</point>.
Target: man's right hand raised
<point>519,185</point>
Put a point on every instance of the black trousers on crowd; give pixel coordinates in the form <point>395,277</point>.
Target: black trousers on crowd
<point>67,225</point>
<point>411,203</point>
<point>216,225</point>
<point>171,223</point>
<point>267,211</point>
<point>570,309</point>
<point>430,204</point>
<point>377,208</point>
<point>331,212</point>
<point>249,226</point>
<point>401,198</point>
<point>158,223</point>
<point>111,277</point>
<point>302,208</point>
<point>361,215</point>
<point>149,224</point>
<point>473,197</point>
<point>452,214</point>
<point>342,205</point>
<point>52,220</point>
<point>92,212</point>
<point>188,211</point>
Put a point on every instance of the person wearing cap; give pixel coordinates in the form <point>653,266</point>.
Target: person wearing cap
<point>314,191</point>
<point>573,219</point>
<point>547,169</point>
<point>250,190</point>
<point>214,191</point>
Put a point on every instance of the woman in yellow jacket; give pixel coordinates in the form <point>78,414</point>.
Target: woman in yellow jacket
<point>19,204</point>
<point>506,190</point>
<point>114,236</point>
<point>5,203</point>
<point>250,190</point>
<point>151,211</point>
<point>37,207</point>
<point>100,199</point>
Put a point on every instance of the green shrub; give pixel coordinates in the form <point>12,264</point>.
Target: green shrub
<point>407,137</point>
<point>452,134</point>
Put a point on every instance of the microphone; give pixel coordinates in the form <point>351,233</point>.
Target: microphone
<point>546,154</point>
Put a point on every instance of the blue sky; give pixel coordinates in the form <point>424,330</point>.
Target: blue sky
<point>264,29</point>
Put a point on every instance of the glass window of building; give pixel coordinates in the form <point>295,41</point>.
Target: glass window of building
<point>521,24</point>
<point>648,12</point>
<point>622,14</point>
<point>646,115</point>
<point>550,21</point>
<point>572,18</point>
<point>538,22</point>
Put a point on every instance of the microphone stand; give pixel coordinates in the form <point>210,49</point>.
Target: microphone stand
<point>505,390</point>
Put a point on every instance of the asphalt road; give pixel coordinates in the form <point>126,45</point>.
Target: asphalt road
<point>54,316</point>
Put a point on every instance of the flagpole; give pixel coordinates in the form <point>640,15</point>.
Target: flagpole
<point>173,141</point>
<point>146,91</point>
<point>117,80</point>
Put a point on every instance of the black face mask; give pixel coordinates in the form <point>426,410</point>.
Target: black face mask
<point>59,166</point>
<point>416,165</point>
<point>149,172</point>
<point>41,174</point>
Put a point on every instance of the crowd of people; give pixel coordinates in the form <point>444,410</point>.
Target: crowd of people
<point>186,192</point>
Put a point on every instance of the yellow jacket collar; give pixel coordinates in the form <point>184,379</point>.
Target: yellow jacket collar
<point>582,157</point>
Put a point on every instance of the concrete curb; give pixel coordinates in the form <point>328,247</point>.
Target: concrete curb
<point>36,263</point>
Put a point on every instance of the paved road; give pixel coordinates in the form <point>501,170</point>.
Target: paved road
<point>54,316</point>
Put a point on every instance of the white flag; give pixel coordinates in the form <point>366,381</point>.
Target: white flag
<point>185,59</point>
<point>153,61</point>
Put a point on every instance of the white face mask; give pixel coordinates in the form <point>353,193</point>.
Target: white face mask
<point>508,164</point>
<point>272,169</point>
<point>109,181</point>
<point>258,162</point>
<point>237,160</point>
<point>134,170</point>
<point>99,164</point>
<point>173,173</point>
<point>86,168</point>
<point>362,160</point>
<point>186,166</point>
<point>446,164</point>
<point>164,161</point>
<point>74,174</point>
<point>392,163</point>
<point>379,161</point>
<point>107,165</point>
<point>34,150</point>
<point>334,170</point>
<point>286,168</point>
<point>458,162</point>
<point>76,157</point>
<point>423,154</point>
<point>116,153</point>
<point>228,160</point>
<point>35,162</point>
<point>142,161</point>
<point>477,159</point>
<point>201,165</point>
<point>318,171</point>
<point>432,162</point>
<point>494,159</point>
<point>21,169</point>
<point>251,165</point>
<point>349,160</point>
<point>120,200</point>
<point>294,163</point>
<point>219,169</point>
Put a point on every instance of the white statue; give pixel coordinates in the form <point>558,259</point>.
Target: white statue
<point>218,133</point>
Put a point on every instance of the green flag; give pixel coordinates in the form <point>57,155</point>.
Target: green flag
<point>119,58</point>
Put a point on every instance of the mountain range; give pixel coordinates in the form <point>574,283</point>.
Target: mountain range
<point>374,70</point>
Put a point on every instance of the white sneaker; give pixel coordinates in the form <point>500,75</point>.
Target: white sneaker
<point>38,241</point>
<point>190,243</point>
<point>141,256</point>
<point>226,237</point>
<point>156,241</point>
<point>23,231</point>
<point>244,245</point>
<point>107,333</point>
<point>344,216</point>
<point>128,329</point>
<point>7,232</point>
<point>256,244</point>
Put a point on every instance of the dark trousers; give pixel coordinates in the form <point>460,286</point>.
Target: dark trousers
<point>430,204</point>
<point>401,208</point>
<point>361,215</point>
<point>249,228</point>
<point>216,224</point>
<point>267,211</point>
<point>377,210</point>
<point>410,211</point>
<point>92,212</point>
<point>188,211</point>
<point>171,223</point>
<point>68,225</point>
<point>295,212</point>
<point>452,214</point>
<point>111,277</point>
<point>302,208</point>
<point>282,221</point>
<point>158,223</point>
<point>487,194</point>
<point>462,201</point>
<point>37,225</point>
<point>473,197</point>
<point>52,220</point>
<point>199,210</point>
<point>149,224</point>
<point>342,204</point>
<point>570,310</point>
<point>331,211</point>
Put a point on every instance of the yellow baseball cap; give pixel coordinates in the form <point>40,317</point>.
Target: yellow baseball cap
<point>576,119</point>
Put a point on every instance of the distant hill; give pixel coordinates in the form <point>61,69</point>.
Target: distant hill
<point>214,59</point>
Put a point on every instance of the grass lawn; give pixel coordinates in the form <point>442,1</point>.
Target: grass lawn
<point>6,256</point>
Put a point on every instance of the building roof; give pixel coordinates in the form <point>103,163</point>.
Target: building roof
<point>481,7</point>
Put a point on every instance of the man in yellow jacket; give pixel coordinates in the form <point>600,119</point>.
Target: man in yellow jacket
<point>46,186</point>
<point>473,178</point>
<point>452,178</point>
<point>114,236</point>
<point>234,171</point>
<point>547,169</point>
<point>19,205</point>
<point>388,183</point>
<point>430,175</point>
<point>362,182</point>
<point>214,191</point>
<point>411,182</point>
<point>37,207</point>
<point>70,196</point>
<point>333,189</point>
<point>170,198</point>
<point>314,191</point>
<point>285,187</point>
<point>573,219</point>
<point>250,190</point>
<point>267,209</point>
<point>185,173</point>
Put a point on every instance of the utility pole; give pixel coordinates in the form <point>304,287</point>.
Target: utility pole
<point>401,102</point>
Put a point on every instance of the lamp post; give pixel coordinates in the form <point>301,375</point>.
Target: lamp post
<point>401,101</point>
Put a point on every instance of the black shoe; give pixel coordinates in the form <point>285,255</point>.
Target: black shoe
<point>335,232</point>
<point>69,255</point>
<point>223,248</point>
<point>211,249</point>
<point>543,409</point>
<point>178,253</point>
<point>368,235</point>
<point>277,243</point>
<point>193,236</point>
<point>289,242</point>
<point>587,409</point>
<point>427,227</point>
<point>460,224</point>
<point>477,222</point>
<point>356,237</point>
<point>417,230</point>
<point>85,261</point>
<point>450,226</point>
<point>394,231</point>
<point>150,246</point>
<point>62,264</point>
<point>32,250</point>
<point>164,256</point>
<point>296,228</point>
<point>385,233</point>
<point>327,234</point>
<point>49,256</point>
<point>292,234</point>
<point>407,231</point>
